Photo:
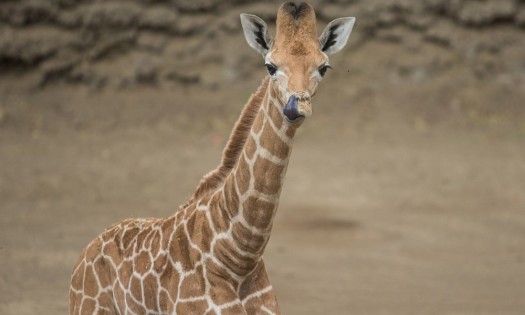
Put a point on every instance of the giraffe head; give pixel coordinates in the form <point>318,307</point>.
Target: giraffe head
<point>296,58</point>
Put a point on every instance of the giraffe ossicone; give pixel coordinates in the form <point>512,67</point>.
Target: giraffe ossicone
<point>207,257</point>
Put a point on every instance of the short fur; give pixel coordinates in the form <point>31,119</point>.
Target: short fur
<point>296,10</point>
<point>211,181</point>
<point>295,23</point>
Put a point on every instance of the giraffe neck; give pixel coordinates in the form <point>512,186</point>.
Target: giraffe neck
<point>250,194</point>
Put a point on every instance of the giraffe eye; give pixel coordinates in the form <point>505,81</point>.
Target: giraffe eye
<point>322,69</point>
<point>271,68</point>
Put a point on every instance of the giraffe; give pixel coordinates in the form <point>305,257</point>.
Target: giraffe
<point>206,258</point>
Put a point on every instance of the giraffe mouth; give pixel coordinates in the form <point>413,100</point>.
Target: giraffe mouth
<point>296,110</point>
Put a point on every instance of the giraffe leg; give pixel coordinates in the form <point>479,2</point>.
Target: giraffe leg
<point>257,294</point>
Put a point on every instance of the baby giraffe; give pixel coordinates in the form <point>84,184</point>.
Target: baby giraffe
<point>207,257</point>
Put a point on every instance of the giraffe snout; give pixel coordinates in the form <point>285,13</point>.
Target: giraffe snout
<point>304,104</point>
<point>298,107</point>
<point>303,96</point>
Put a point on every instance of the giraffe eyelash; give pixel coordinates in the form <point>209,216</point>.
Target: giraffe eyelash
<point>272,69</point>
<point>322,69</point>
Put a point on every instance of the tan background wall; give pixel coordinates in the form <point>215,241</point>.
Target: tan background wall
<point>405,191</point>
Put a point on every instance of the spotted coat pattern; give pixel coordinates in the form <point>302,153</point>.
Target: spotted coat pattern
<point>207,257</point>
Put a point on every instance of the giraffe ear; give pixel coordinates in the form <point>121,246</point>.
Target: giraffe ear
<point>256,33</point>
<point>335,35</point>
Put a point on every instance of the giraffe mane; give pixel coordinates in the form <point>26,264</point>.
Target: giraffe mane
<point>230,154</point>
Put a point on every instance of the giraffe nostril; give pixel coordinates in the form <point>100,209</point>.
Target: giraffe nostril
<point>303,96</point>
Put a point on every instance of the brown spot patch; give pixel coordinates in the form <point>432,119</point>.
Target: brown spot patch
<point>155,243</point>
<point>142,237</point>
<point>135,287</point>
<point>275,93</point>
<point>112,251</point>
<point>201,234</point>
<point>93,250</point>
<point>168,226</point>
<point>102,269</point>
<point>256,280</point>
<point>219,217</point>
<point>246,240</point>
<point>105,300</point>
<point>290,132</point>
<point>234,310</point>
<point>219,271</point>
<point>250,147</point>
<point>150,285</point>
<point>220,291</point>
<point>169,280</point>
<point>197,307</point>
<point>193,285</point>
<point>226,252</point>
<point>268,176</point>
<point>129,236</point>
<point>74,302</point>
<point>88,307</point>
<point>165,305</point>
<point>258,212</point>
<point>149,238</point>
<point>160,263</point>
<point>142,262</point>
<point>181,251</point>
<point>77,280</point>
<point>109,233</point>
<point>133,306</point>
<point>267,299</point>
<point>242,176</point>
<point>258,123</point>
<point>90,282</point>
<point>231,196</point>
<point>120,297</point>
<point>190,224</point>
<point>125,272</point>
<point>271,142</point>
<point>275,114</point>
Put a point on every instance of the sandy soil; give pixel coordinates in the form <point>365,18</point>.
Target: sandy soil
<point>402,197</point>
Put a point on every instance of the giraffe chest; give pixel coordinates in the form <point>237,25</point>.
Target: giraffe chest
<point>169,269</point>
<point>167,266</point>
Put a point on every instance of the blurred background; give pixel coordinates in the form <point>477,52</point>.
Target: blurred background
<point>406,188</point>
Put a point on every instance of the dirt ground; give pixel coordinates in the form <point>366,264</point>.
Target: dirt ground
<point>404,195</point>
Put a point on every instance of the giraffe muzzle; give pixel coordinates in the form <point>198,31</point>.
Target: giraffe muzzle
<point>297,108</point>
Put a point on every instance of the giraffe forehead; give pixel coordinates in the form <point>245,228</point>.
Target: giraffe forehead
<point>301,47</point>
<point>296,34</point>
<point>298,55</point>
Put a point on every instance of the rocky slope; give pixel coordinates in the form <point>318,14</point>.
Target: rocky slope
<point>120,43</point>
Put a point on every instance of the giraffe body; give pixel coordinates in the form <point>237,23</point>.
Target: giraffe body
<point>132,269</point>
<point>207,257</point>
